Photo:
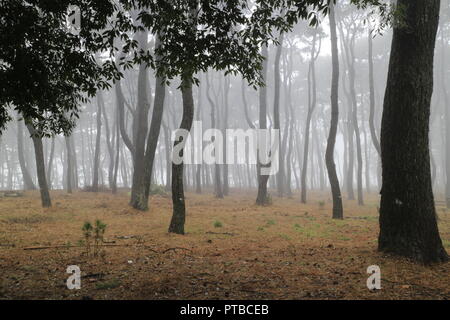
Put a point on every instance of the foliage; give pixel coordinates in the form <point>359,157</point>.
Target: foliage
<point>45,70</point>
<point>197,35</point>
<point>96,233</point>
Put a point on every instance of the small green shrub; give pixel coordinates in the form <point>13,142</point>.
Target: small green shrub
<point>95,233</point>
<point>217,224</point>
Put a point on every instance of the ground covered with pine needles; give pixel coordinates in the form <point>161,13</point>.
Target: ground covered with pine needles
<point>232,249</point>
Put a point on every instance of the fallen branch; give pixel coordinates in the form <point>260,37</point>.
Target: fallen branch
<point>66,246</point>
<point>106,245</point>
<point>224,233</point>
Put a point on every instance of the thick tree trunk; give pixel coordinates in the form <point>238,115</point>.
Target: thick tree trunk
<point>179,208</point>
<point>338,212</point>
<point>142,179</point>
<point>40,166</point>
<point>138,199</point>
<point>408,225</point>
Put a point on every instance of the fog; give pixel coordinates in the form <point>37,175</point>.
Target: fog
<point>305,82</point>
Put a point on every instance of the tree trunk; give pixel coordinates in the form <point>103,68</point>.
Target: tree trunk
<point>97,141</point>
<point>408,225</point>
<point>311,107</point>
<point>40,166</point>
<point>276,116</point>
<point>69,169</point>
<point>338,212</point>
<point>262,197</point>
<point>27,180</point>
<point>226,188</point>
<point>142,179</point>
<point>179,208</point>
<point>218,190</point>
<point>50,163</point>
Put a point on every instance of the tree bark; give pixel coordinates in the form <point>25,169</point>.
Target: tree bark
<point>276,115</point>
<point>100,103</point>
<point>27,180</point>
<point>311,106</point>
<point>40,166</point>
<point>218,190</point>
<point>338,212</point>
<point>142,179</point>
<point>373,132</point>
<point>179,208</point>
<point>408,225</point>
<point>262,197</point>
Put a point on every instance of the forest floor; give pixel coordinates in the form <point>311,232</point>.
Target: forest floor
<point>232,249</point>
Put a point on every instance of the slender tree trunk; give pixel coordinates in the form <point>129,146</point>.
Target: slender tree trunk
<point>179,208</point>
<point>408,225</point>
<point>198,167</point>
<point>226,187</point>
<point>276,116</point>
<point>96,165</point>
<point>263,197</point>
<point>27,180</point>
<point>311,107</point>
<point>69,169</point>
<point>40,166</point>
<point>338,212</point>
<point>121,107</point>
<point>50,163</point>
<point>218,190</point>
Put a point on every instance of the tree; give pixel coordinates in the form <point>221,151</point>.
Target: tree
<point>28,181</point>
<point>100,107</point>
<point>46,70</point>
<point>408,225</point>
<point>262,197</point>
<point>329,156</point>
<point>40,164</point>
<point>312,99</point>
<point>276,114</point>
